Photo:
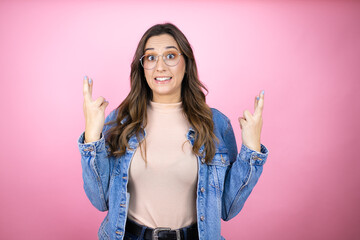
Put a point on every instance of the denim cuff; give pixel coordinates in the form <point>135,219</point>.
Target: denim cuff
<point>254,157</point>
<point>91,148</point>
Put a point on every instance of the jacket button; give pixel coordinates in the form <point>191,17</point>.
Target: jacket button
<point>202,218</point>
<point>256,158</point>
<point>89,149</point>
<point>222,159</point>
<point>202,160</point>
<point>202,189</point>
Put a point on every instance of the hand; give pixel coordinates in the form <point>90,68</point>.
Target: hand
<point>251,124</point>
<point>94,112</point>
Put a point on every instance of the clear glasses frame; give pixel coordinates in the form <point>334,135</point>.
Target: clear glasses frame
<point>156,60</point>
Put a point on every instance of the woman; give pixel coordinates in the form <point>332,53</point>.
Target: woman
<point>163,164</point>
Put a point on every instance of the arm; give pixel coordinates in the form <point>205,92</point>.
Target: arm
<point>243,174</point>
<point>95,171</point>
<point>96,168</point>
<point>94,159</point>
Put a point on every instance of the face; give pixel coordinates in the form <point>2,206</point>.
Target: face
<point>163,80</point>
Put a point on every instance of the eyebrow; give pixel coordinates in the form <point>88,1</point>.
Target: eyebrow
<point>165,48</point>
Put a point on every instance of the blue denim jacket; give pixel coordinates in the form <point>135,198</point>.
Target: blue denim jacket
<point>222,189</point>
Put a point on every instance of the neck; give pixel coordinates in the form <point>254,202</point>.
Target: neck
<point>166,99</point>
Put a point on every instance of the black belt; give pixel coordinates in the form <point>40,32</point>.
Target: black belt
<point>186,233</point>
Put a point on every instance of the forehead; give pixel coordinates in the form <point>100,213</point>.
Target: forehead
<point>159,43</point>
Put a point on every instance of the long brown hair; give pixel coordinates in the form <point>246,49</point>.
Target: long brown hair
<point>132,111</point>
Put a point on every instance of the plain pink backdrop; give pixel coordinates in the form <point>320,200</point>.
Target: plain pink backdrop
<point>304,54</point>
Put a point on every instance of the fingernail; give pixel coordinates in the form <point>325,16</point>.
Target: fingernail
<point>90,80</point>
<point>262,92</point>
<point>85,77</point>
<point>257,98</point>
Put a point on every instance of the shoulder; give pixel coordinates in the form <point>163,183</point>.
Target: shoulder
<point>221,121</point>
<point>112,115</point>
<point>110,120</point>
<point>219,116</point>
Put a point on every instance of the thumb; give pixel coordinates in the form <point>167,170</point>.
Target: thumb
<point>241,121</point>
<point>104,105</point>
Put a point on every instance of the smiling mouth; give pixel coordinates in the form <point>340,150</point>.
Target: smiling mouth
<point>163,79</point>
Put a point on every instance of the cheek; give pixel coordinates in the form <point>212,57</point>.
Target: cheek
<point>148,75</point>
<point>181,68</point>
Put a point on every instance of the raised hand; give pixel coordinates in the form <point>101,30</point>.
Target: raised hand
<point>251,124</point>
<point>94,111</point>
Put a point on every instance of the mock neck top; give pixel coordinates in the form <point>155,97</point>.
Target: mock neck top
<point>163,191</point>
<point>165,107</point>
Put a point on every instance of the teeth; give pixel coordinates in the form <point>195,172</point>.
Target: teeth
<point>163,78</point>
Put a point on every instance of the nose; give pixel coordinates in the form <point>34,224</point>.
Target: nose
<point>160,64</point>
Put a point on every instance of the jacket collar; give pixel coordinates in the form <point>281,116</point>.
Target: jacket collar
<point>133,141</point>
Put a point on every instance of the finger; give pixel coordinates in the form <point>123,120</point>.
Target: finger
<point>247,115</point>
<point>242,122</point>
<point>99,101</point>
<point>104,105</point>
<point>91,82</point>
<point>260,105</point>
<point>256,102</point>
<point>86,89</point>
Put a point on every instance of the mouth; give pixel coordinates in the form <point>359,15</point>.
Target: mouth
<point>162,79</point>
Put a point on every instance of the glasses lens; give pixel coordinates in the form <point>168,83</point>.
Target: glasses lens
<point>171,58</point>
<point>148,61</point>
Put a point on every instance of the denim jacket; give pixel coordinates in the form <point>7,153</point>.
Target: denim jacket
<point>222,188</point>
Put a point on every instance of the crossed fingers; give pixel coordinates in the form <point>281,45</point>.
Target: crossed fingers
<point>259,104</point>
<point>87,88</point>
<point>87,92</point>
<point>258,109</point>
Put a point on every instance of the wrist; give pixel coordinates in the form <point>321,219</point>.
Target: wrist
<point>256,148</point>
<point>91,137</point>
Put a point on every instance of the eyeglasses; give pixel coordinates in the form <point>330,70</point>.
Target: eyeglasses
<point>171,58</point>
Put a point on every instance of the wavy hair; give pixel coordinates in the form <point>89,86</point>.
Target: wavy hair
<point>132,115</point>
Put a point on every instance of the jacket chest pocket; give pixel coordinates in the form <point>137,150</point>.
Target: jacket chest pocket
<point>217,169</point>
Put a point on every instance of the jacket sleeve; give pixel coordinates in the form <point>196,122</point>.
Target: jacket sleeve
<point>96,168</point>
<point>242,175</point>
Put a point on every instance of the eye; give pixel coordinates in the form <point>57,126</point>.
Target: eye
<point>170,56</point>
<point>150,57</point>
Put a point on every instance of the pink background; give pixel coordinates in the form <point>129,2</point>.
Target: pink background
<point>304,54</point>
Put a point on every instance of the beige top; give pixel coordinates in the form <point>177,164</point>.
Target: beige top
<point>163,193</point>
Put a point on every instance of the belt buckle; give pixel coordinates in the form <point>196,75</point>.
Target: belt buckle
<point>159,229</point>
